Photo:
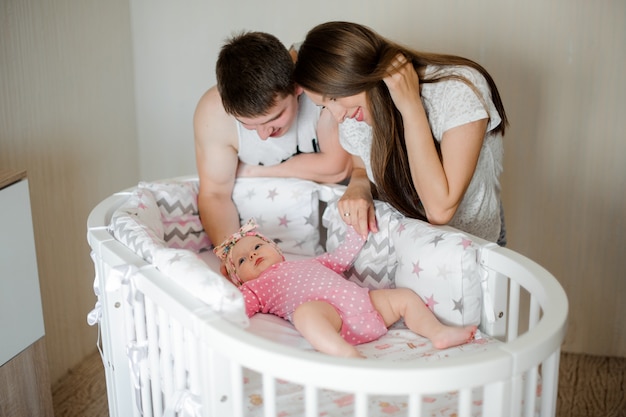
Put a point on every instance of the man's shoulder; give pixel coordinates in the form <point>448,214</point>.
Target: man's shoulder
<point>210,104</point>
<point>210,118</point>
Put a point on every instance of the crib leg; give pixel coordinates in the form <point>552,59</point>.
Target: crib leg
<point>118,376</point>
<point>550,382</point>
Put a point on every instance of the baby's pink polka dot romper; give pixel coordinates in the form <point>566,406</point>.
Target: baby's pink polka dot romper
<point>280,289</point>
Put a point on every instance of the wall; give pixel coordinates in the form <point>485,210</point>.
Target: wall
<point>97,95</point>
<point>67,116</point>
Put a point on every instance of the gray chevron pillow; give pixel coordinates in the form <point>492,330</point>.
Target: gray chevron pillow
<point>137,224</point>
<point>374,267</point>
<point>178,204</point>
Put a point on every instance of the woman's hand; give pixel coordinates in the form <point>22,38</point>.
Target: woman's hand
<point>403,84</point>
<point>356,206</point>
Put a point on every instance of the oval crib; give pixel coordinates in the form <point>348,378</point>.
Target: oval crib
<point>167,352</point>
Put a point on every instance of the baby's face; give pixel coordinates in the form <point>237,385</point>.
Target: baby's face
<point>252,255</point>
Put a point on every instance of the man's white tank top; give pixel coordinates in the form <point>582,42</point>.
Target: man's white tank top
<point>300,138</point>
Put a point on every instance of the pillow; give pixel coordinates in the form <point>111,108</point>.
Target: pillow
<point>191,272</point>
<point>286,210</point>
<point>374,266</point>
<point>441,265</point>
<point>178,205</point>
<point>141,223</point>
<point>137,224</point>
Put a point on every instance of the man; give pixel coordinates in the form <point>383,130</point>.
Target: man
<point>257,122</point>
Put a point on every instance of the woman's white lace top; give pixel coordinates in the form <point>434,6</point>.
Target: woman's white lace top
<point>449,104</point>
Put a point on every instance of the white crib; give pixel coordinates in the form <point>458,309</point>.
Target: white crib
<point>168,353</point>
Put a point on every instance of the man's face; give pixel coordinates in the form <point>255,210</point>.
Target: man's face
<point>278,119</point>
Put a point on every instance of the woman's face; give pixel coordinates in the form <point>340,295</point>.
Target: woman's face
<point>342,108</point>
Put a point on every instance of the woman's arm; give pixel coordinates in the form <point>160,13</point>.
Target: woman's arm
<point>440,182</point>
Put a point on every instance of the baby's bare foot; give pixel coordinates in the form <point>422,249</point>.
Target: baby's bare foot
<point>453,336</point>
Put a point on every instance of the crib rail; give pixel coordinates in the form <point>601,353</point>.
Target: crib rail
<point>167,354</point>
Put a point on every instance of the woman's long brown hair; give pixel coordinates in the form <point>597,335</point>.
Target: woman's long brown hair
<point>341,59</point>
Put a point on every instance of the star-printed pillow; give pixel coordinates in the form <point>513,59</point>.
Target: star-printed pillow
<point>286,210</point>
<point>441,265</point>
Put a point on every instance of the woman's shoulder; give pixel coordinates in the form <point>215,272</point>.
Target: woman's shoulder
<point>451,101</point>
<point>469,73</point>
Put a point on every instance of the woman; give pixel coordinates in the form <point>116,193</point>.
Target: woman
<point>425,128</point>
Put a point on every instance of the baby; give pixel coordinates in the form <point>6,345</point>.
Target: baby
<point>332,313</point>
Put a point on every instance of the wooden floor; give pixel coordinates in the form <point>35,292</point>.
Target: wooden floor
<point>82,392</point>
<point>589,386</point>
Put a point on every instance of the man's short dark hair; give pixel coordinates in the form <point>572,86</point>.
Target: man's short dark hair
<point>253,70</point>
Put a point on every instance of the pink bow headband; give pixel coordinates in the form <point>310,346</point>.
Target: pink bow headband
<point>223,251</point>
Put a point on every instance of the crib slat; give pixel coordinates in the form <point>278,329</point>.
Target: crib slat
<point>495,398</point>
<point>153,358</point>
<point>141,340</point>
<point>360,404</point>
<point>534,313</point>
<point>514,303</point>
<point>515,400</point>
<point>465,402</point>
<point>549,382</point>
<point>129,317</point>
<point>269,395</point>
<point>415,405</point>
<point>165,362</point>
<point>310,396</point>
<point>218,372</point>
<point>236,383</point>
<point>193,362</point>
<point>178,341</point>
<point>530,392</point>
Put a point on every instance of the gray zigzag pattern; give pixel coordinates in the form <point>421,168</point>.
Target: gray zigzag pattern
<point>177,205</point>
<point>375,247</point>
<point>367,268</point>
<point>141,241</point>
<point>199,245</point>
<point>371,275</point>
<point>183,235</point>
<point>378,242</point>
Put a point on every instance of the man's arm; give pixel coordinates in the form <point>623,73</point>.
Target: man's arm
<point>331,165</point>
<point>216,160</point>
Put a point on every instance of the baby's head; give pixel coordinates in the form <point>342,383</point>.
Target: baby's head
<point>247,253</point>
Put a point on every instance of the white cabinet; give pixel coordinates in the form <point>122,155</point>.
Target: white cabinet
<point>21,317</point>
<point>24,379</point>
